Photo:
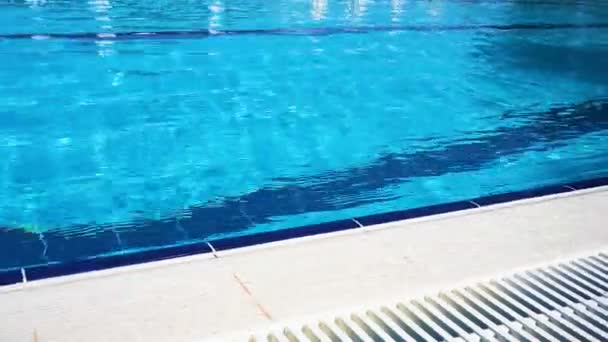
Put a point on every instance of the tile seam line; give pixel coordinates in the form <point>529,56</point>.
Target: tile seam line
<point>249,294</point>
<point>567,189</point>
<point>213,250</point>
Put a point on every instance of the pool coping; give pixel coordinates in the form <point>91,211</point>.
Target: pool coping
<point>210,247</point>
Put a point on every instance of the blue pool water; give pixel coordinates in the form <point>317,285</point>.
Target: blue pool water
<point>130,124</point>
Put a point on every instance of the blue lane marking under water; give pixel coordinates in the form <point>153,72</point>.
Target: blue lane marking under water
<point>59,254</point>
<point>79,266</point>
<point>321,31</point>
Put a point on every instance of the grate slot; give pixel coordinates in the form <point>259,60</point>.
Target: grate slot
<point>547,322</point>
<point>294,335</point>
<point>272,338</point>
<point>590,272</point>
<point>386,322</point>
<point>423,315</point>
<point>500,331</point>
<point>462,327</point>
<point>597,269</point>
<point>310,334</point>
<point>528,324</point>
<point>447,322</point>
<point>576,316</point>
<point>425,330</point>
<point>589,277</point>
<point>375,334</point>
<point>573,298</point>
<point>567,285</point>
<point>513,327</point>
<point>581,279</point>
<point>600,263</point>
<point>553,315</point>
<point>409,325</point>
<point>482,333</point>
<point>465,314</point>
<point>353,331</point>
<point>336,335</point>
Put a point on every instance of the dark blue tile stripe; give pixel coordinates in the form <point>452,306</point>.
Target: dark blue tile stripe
<point>14,276</point>
<point>518,195</point>
<point>320,31</point>
<point>10,277</point>
<point>590,183</point>
<point>414,213</point>
<point>283,234</point>
<point>112,261</point>
<point>103,262</point>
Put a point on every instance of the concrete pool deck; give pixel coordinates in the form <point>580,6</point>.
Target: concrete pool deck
<point>200,297</point>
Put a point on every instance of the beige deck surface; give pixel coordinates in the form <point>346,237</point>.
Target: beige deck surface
<point>194,298</point>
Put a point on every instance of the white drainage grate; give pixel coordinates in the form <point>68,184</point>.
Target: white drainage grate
<point>565,302</point>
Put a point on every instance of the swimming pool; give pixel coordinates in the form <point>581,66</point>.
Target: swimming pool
<point>129,125</point>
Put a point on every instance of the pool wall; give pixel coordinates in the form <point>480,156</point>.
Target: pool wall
<point>18,275</point>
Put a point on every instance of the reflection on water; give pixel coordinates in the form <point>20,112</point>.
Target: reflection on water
<point>397,9</point>
<point>138,15</point>
<point>319,9</point>
<point>36,3</point>
<point>435,8</point>
<point>217,9</point>
<point>357,8</point>
<point>575,61</point>
<point>102,8</point>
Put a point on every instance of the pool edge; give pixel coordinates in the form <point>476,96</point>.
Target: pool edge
<point>210,247</point>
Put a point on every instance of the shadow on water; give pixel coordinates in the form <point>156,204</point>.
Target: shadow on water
<point>582,63</point>
<point>575,55</point>
<point>541,130</point>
